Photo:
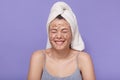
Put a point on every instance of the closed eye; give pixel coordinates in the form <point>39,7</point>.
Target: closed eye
<point>53,30</point>
<point>65,30</point>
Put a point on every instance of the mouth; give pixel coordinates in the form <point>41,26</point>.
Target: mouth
<point>59,42</point>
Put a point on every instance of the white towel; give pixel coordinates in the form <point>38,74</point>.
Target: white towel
<point>61,8</point>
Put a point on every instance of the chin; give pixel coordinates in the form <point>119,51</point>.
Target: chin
<point>59,47</point>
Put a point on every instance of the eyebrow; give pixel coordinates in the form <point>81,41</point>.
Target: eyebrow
<point>65,29</point>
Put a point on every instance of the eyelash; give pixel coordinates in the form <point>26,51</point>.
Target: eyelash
<point>53,32</point>
<point>64,31</point>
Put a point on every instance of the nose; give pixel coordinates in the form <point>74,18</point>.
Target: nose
<point>59,35</point>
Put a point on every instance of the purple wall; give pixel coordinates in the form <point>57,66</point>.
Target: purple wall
<point>23,31</point>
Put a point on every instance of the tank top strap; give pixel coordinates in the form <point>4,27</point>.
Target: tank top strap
<point>77,61</point>
<point>43,51</point>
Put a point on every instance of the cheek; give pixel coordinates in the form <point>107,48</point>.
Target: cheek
<point>68,36</point>
<point>51,36</point>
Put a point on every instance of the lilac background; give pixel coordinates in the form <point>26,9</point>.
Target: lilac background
<point>23,31</point>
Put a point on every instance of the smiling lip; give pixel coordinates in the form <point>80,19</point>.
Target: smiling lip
<point>59,42</point>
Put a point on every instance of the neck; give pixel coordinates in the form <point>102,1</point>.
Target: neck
<point>60,54</point>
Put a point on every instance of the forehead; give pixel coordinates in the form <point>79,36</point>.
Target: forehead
<point>62,23</point>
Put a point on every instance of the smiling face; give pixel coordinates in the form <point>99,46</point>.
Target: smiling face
<point>60,34</point>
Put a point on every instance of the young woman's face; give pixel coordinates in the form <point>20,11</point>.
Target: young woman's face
<point>60,34</point>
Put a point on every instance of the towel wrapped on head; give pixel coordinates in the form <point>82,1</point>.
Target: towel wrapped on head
<point>61,8</point>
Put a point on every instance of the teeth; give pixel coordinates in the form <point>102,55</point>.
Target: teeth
<point>59,42</point>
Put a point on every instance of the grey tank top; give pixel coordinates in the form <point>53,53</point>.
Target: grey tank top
<point>75,76</point>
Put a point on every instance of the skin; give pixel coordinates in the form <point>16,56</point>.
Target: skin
<point>60,56</point>
<point>60,34</point>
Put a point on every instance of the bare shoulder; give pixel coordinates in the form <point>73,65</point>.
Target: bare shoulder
<point>37,54</point>
<point>86,66</point>
<point>84,59</point>
<point>84,56</point>
<point>37,58</point>
<point>36,65</point>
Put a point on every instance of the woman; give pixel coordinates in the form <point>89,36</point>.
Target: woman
<point>64,57</point>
